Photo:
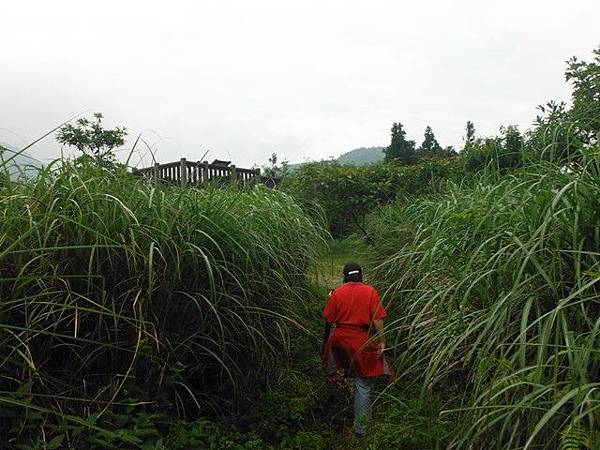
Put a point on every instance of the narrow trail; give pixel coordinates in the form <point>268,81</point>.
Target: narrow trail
<point>403,418</point>
<point>302,409</point>
<point>330,412</point>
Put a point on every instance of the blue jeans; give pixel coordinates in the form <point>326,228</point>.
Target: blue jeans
<point>362,404</point>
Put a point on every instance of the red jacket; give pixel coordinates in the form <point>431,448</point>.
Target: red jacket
<point>351,309</point>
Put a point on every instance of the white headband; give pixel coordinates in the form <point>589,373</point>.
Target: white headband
<point>352,272</point>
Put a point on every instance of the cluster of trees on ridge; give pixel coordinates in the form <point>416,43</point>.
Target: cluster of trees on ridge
<point>404,150</point>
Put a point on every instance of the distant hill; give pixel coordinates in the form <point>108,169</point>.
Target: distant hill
<point>357,157</point>
<point>362,156</point>
<point>20,164</point>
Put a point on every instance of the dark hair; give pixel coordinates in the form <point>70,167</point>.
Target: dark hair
<point>352,272</point>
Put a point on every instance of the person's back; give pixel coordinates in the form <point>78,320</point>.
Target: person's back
<point>354,303</point>
<point>351,311</point>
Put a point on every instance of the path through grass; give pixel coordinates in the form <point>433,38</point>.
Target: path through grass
<point>304,410</point>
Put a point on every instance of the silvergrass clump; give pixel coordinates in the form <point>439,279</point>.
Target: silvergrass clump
<point>494,292</point>
<point>112,288</point>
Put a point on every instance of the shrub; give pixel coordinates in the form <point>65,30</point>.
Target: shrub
<point>347,193</point>
<point>497,154</point>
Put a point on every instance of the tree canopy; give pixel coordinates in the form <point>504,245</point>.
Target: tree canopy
<point>470,137</point>
<point>430,147</point>
<point>92,140</point>
<point>400,148</point>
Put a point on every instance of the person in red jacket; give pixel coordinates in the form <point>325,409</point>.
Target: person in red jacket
<point>352,311</point>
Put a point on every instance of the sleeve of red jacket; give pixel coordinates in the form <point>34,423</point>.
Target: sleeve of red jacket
<point>330,311</point>
<point>378,312</point>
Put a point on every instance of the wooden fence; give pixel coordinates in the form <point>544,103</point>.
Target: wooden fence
<point>186,173</point>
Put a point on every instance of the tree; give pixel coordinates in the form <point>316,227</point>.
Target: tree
<point>449,152</point>
<point>275,171</point>
<point>500,153</point>
<point>585,112</point>
<point>400,149</point>
<point>430,148</point>
<point>513,141</point>
<point>552,136</point>
<point>470,137</point>
<point>92,140</point>
<point>560,132</point>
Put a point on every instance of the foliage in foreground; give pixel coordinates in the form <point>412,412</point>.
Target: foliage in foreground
<point>118,292</point>
<point>495,289</point>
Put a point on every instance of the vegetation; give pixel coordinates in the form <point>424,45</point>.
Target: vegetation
<point>493,285</point>
<point>93,140</point>
<point>498,153</point>
<point>495,290</point>
<point>431,148</point>
<point>400,148</point>
<point>470,136</point>
<point>346,194</point>
<point>273,170</point>
<point>357,157</point>
<point>137,315</point>
<point>118,293</point>
<point>404,151</point>
<point>362,156</point>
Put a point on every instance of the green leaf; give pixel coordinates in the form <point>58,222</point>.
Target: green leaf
<point>55,442</point>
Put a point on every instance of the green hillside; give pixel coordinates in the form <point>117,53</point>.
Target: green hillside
<point>362,156</point>
<point>17,163</point>
<point>357,157</point>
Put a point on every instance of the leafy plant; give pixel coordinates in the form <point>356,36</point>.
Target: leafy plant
<point>92,140</point>
<point>346,194</point>
<point>273,170</point>
<point>496,154</point>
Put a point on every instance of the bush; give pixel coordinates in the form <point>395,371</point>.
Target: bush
<point>347,193</point>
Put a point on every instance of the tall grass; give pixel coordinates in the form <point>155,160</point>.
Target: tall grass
<point>494,290</point>
<point>113,289</point>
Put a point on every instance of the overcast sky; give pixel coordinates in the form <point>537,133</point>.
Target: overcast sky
<point>304,79</point>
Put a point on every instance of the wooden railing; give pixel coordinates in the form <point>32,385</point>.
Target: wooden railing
<point>186,173</point>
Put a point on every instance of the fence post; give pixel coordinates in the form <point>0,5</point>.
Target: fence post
<point>257,176</point>
<point>156,174</point>
<point>198,173</point>
<point>205,172</point>
<point>183,172</point>
<point>233,174</point>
